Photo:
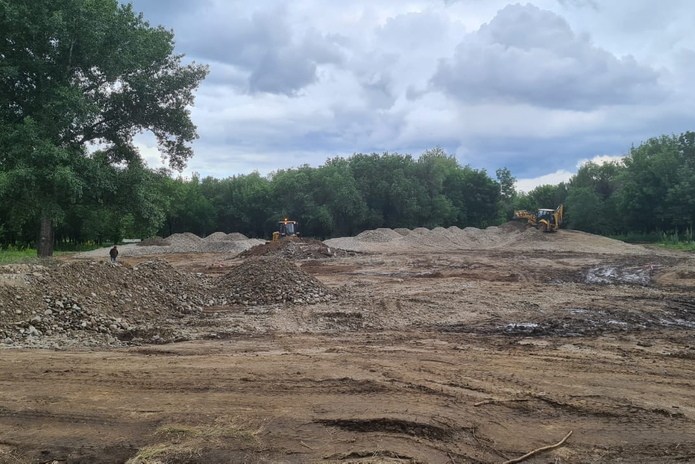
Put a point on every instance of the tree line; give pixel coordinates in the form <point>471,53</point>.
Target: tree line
<point>652,189</point>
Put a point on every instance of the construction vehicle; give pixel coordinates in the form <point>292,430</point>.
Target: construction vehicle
<point>286,228</point>
<point>545,220</point>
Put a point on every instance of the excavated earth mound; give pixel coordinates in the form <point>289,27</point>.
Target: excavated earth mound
<point>95,302</point>
<point>271,280</point>
<point>295,248</point>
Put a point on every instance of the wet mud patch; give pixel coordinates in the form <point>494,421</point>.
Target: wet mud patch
<point>381,455</point>
<point>388,425</point>
<point>579,322</point>
<point>616,274</point>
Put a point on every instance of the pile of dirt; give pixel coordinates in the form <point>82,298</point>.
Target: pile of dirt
<point>97,302</point>
<point>294,248</point>
<point>221,236</point>
<point>271,280</point>
<point>512,226</point>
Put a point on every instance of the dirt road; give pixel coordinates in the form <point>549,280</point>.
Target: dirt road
<point>466,356</point>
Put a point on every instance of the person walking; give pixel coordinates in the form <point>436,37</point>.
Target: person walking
<point>113,253</point>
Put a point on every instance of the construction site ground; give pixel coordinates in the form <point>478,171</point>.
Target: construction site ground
<point>477,347</point>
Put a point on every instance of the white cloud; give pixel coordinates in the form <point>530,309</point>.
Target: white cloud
<point>601,159</point>
<point>526,185</point>
<point>529,55</point>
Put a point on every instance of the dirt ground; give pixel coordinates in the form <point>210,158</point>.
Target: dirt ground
<point>425,356</point>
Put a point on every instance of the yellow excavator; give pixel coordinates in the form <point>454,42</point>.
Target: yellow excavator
<point>286,228</point>
<point>545,220</point>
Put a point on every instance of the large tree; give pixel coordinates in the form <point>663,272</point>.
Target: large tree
<point>76,73</point>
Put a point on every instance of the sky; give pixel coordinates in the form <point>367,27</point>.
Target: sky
<point>538,88</point>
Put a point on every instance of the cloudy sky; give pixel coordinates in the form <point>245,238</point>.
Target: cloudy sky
<point>535,87</point>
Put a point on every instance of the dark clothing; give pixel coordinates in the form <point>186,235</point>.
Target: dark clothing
<point>114,254</point>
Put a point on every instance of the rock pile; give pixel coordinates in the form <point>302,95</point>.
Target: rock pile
<point>84,299</point>
<point>96,303</point>
<point>294,248</point>
<point>266,280</point>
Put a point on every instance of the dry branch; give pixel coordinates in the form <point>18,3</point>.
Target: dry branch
<point>480,403</point>
<point>539,450</point>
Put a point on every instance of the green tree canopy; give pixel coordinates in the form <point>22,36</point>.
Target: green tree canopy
<point>77,72</point>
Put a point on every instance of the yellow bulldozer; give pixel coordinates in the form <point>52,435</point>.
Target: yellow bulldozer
<point>286,228</point>
<point>545,220</point>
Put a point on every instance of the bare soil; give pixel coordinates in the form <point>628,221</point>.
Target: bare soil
<point>475,353</point>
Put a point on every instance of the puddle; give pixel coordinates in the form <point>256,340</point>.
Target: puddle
<point>619,275</point>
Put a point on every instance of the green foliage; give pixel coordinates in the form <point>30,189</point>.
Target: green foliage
<point>637,237</point>
<point>508,194</point>
<point>75,72</point>
<point>585,210</point>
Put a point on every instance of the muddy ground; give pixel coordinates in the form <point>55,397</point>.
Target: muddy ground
<point>458,356</point>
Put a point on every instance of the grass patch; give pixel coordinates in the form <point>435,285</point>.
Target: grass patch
<point>159,454</point>
<point>14,256</point>
<point>677,246</point>
<point>633,237</point>
<point>185,442</point>
<point>26,256</point>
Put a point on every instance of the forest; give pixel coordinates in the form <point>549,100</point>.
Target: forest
<point>650,191</point>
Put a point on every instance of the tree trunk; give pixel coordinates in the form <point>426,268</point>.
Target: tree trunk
<point>45,245</point>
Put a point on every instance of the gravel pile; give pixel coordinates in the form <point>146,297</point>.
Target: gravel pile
<point>294,248</point>
<point>91,303</point>
<point>266,280</point>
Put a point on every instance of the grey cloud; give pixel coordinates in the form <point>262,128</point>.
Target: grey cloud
<point>265,47</point>
<point>528,55</point>
<point>378,91</point>
<point>284,72</point>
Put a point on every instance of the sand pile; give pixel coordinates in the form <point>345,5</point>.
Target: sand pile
<point>266,280</point>
<point>513,235</point>
<point>380,235</point>
<point>218,242</point>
